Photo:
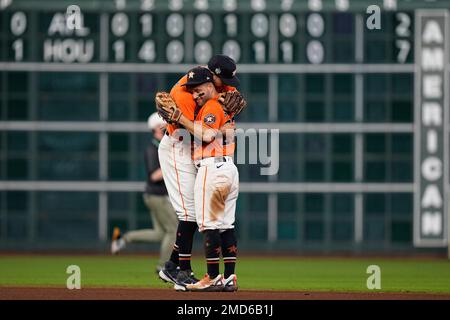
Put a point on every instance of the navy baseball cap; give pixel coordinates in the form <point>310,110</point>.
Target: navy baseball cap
<point>225,68</point>
<point>197,76</point>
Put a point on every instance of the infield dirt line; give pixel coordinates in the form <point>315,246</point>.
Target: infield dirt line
<point>52,293</point>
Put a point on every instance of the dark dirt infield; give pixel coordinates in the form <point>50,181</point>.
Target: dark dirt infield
<point>35,293</point>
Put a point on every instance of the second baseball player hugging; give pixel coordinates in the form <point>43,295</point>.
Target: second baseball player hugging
<point>216,184</point>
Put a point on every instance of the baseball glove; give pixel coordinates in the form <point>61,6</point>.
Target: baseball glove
<point>167,108</point>
<point>232,102</point>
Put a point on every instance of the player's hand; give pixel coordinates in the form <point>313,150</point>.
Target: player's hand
<point>232,102</point>
<point>167,108</point>
<point>228,132</point>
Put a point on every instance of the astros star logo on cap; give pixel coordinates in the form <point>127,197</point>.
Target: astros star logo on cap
<point>191,75</point>
<point>217,71</point>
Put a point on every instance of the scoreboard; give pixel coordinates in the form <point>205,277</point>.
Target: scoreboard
<point>365,83</point>
<point>177,31</point>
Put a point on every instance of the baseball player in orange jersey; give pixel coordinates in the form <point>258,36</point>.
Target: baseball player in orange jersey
<point>179,171</point>
<point>216,184</point>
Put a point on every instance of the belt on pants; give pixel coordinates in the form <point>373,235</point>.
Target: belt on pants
<point>212,160</point>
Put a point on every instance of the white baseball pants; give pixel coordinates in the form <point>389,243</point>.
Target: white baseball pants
<point>216,193</point>
<point>179,174</point>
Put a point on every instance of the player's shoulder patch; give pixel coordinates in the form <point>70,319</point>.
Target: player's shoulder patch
<point>209,119</point>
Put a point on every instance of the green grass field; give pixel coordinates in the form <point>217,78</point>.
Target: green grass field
<point>311,274</point>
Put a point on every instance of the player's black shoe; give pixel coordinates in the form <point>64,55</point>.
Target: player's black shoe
<point>169,273</point>
<point>230,284</point>
<point>184,278</point>
<point>194,278</point>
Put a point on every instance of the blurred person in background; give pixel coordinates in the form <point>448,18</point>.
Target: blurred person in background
<point>155,197</point>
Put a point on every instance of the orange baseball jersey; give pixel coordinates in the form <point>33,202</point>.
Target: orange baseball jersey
<point>185,102</point>
<point>211,115</point>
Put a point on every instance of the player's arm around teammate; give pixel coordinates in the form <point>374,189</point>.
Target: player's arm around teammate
<point>179,171</point>
<point>216,185</point>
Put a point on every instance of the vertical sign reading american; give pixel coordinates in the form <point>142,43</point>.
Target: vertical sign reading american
<point>431,135</point>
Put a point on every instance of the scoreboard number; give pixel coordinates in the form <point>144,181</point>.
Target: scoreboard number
<point>315,25</point>
<point>120,24</point>
<point>288,51</point>
<point>288,28</point>
<point>260,25</point>
<point>315,5</point>
<point>119,50</point>
<point>146,21</point>
<point>147,5</point>
<point>315,52</point>
<point>175,51</point>
<point>403,30</point>
<point>175,5</point>
<point>229,5</point>
<point>203,52</point>
<point>231,24</point>
<point>203,25</point>
<point>404,47</point>
<point>120,4</point>
<point>201,5</point>
<point>286,5</point>
<point>258,5</point>
<point>175,25</point>
<point>147,52</point>
<point>288,25</point>
<point>231,48</point>
<point>259,47</point>
<point>17,46</point>
<point>18,23</point>
<point>342,5</point>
